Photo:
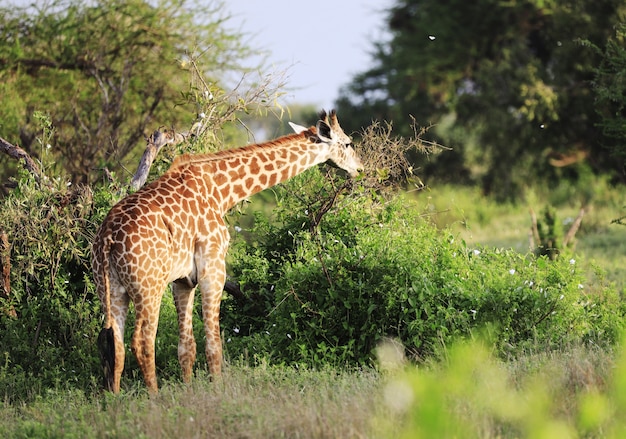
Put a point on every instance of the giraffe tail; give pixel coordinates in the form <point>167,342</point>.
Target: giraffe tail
<point>106,338</point>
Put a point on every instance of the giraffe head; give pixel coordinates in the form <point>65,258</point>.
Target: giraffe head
<point>341,152</point>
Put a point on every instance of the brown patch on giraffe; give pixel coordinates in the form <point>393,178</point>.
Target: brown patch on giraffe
<point>238,190</point>
<point>284,174</point>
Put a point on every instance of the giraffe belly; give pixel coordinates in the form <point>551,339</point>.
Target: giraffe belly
<point>183,266</point>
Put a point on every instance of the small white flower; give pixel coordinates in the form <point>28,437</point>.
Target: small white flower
<point>289,336</point>
<point>236,330</point>
<point>512,271</point>
<point>561,297</point>
<point>208,95</point>
<point>237,229</point>
<point>202,115</point>
<point>476,252</point>
<point>580,286</point>
<point>572,261</point>
<point>48,146</point>
<point>431,37</point>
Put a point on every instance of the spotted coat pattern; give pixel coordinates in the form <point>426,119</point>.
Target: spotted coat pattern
<point>172,231</point>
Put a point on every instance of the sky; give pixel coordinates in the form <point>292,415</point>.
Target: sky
<point>321,43</point>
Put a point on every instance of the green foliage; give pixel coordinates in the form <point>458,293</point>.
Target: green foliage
<point>51,340</point>
<point>610,89</point>
<point>507,84</point>
<point>107,73</point>
<point>472,394</point>
<point>331,292</point>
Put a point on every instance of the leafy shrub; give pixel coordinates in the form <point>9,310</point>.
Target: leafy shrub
<point>329,292</point>
<point>51,341</point>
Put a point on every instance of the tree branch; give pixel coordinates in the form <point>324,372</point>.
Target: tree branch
<point>155,143</point>
<point>18,153</point>
<point>574,228</point>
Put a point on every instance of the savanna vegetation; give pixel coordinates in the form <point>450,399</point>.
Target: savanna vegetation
<point>469,290</point>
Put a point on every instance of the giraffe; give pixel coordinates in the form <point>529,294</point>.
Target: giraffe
<point>173,231</point>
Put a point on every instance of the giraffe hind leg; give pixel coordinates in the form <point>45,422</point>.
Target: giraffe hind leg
<point>144,337</point>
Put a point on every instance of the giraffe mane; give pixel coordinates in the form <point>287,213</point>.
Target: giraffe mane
<point>188,158</point>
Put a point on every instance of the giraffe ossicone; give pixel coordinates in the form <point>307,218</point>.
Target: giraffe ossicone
<point>173,231</point>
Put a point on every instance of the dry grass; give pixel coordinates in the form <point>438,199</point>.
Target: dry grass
<point>259,402</point>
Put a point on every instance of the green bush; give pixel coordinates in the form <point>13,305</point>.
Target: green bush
<point>51,341</point>
<point>329,292</point>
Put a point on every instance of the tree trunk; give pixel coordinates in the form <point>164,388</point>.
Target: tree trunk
<point>5,265</point>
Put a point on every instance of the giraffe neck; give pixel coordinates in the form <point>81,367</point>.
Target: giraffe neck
<point>236,174</point>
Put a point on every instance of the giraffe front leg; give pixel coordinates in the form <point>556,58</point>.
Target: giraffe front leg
<point>211,298</point>
<point>211,286</point>
<point>183,299</point>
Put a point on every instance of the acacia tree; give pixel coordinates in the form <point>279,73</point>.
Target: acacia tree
<point>105,74</point>
<point>507,83</point>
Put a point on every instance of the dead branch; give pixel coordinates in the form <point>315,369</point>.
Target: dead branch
<point>155,142</point>
<point>534,238</point>
<point>574,228</point>
<point>18,153</point>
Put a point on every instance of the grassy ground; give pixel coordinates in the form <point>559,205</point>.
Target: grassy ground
<point>260,402</point>
<point>468,395</point>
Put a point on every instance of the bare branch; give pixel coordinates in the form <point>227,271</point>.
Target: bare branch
<point>574,228</point>
<point>18,153</point>
<point>155,143</point>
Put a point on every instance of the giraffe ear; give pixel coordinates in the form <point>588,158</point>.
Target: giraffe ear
<point>297,128</point>
<point>324,132</point>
